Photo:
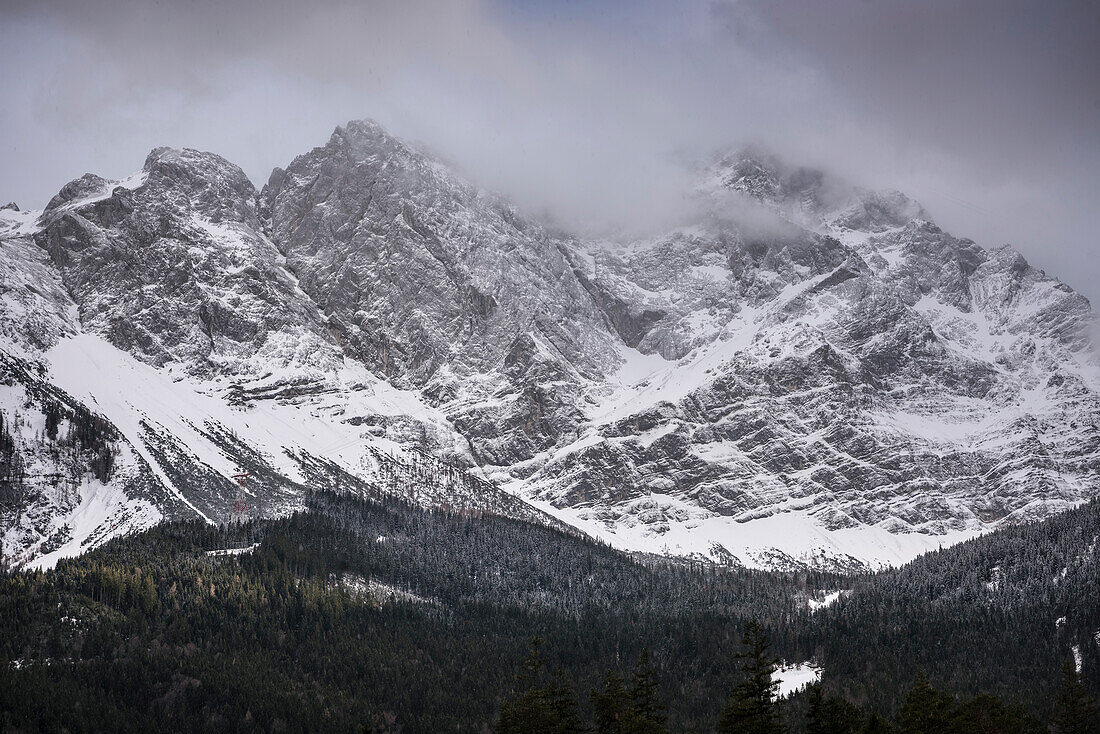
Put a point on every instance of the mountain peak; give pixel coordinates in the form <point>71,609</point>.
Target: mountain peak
<point>877,211</point>
<point>825,345</point>
<point>364,126</point>
<point>77,189</point>
<point>210,182</point>
<point>192,165</point>
<point>364,135</point>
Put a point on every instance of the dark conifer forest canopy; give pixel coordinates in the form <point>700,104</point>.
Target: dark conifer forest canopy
<point>365,615</point>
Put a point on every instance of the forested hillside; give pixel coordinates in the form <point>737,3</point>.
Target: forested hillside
<point>998,614</point>
<point>360,612</point>
<point>363,613</point>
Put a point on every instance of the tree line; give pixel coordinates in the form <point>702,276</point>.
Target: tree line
<point>378,614</point>
<point>547,704</point>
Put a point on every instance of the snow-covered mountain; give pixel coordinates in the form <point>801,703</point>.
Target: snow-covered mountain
<point>809,374</point>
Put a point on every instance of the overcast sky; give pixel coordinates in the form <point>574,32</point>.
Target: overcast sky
<point>988,112</point>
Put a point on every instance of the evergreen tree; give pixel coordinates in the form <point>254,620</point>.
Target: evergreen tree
<point>611,705</point>
<point>648,714</point>
<point>815,710</point>
<point>831,715</point>
<point>562,701</point>
<point>52,411</point>
<point>988,714</point>
<point>530,710</point>
<point>1075,711</point>
<point>751,708</point>
<point>926,710</point>
<point>277,628</point>
<point>875,724</point>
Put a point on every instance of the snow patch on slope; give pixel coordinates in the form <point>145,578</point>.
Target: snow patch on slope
<point>132,394</point>
<point>785,540</point>
<point>796,677</point>
<point>104,511</point>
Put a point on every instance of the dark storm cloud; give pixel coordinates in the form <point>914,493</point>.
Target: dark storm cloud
<point>986,111</point>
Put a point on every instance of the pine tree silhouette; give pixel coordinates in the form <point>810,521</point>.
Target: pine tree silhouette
<point>926,709</point>
<point>611,705</point>
<point>751,708</point>
<point>645,695</point>
<point>1075,710</point>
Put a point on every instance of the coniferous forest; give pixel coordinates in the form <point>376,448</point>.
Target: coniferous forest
<point>361,615</point>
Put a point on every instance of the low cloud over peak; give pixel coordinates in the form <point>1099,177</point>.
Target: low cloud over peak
<point>985,112</point>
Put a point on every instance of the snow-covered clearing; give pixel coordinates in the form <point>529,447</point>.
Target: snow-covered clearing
<point>233,551</point>
<point>828,598</point>
<point>793,678</point>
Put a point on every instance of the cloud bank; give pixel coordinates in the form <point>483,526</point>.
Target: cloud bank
<point>987,112</point>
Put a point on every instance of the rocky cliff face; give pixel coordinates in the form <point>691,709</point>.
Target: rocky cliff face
<point>173,267</point>
<point>440,288</point>
<point>812,374</point>
<point>862,369</point>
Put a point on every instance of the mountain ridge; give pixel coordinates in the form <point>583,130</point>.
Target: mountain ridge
<point>811,374</point>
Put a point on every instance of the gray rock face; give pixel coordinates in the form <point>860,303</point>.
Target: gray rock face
<point>870,371</point>
<point>177,269</point>
<point>439,287</point>
<point>37,310</point>
<point>812,374</point>
<point>158,305</point>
